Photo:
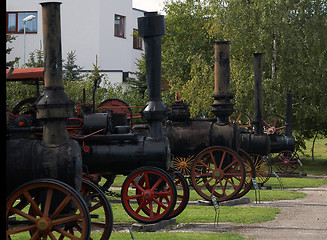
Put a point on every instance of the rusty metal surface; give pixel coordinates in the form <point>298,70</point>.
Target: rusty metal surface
<point>222,106</point>
<point>53,106</point>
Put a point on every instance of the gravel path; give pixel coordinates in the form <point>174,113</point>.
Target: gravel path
<point>304,218</point>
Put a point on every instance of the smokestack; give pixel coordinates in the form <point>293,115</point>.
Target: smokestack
<point>222,107</point>
<point>54,106</point>
<point>151,28</point>
<point>257,123</point>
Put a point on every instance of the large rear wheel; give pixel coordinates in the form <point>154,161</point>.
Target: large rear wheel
<point>53,210</point>
<point>218,171</point>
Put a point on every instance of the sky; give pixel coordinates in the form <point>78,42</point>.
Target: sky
<point>148,5</point>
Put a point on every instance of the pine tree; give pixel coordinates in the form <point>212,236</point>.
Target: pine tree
<point>71,69</point>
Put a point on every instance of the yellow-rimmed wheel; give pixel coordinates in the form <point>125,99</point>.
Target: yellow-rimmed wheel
<point>184,164</point>
<point>263,168</point>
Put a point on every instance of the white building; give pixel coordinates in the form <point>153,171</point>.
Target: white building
<point>102,28</point>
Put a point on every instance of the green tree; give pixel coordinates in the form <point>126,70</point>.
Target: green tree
<point>36,58</point>
<point>71,71</point>
<point>9,39</point>
<point>139,84</point>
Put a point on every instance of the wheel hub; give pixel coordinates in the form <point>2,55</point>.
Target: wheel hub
<point>183,165</point>
<point>44,224</point>
<point>147,194</point>
<point>218,174</point>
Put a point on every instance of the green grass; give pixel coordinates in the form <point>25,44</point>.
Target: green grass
<point>295,182</point>
<point>206,214</point>
<point>319,165</point>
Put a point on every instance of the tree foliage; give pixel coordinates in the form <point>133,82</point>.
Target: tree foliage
<point>9,39</point>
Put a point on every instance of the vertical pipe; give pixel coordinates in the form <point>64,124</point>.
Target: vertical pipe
<point>258,127</point>
<point>288,115</point>
<point>151,28</point>
<point>222,107</point>
<point>53,107</point>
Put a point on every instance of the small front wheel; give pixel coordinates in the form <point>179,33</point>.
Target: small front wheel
<point>154,197</point>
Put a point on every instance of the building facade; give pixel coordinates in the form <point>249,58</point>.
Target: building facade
<point>106,29</point>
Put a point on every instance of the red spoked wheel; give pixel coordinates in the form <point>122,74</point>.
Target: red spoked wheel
<point>218,171</point>
<point>154,197</point>
<point>183,192</point>
<point>274,124</point>
<point>287,161</point>
<point>99,209</point>
<point>117,106</point>
<point>54,210</point>
<point>263,168</point>
<point>250,173</point>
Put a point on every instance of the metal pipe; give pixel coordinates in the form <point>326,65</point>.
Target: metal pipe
<point>151,28</point>
<point>222,107</point>
<point>288,115</point>
<point>53,106</point>
<point>258,120</point>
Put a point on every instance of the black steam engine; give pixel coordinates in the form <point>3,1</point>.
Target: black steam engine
<point>44,175</point>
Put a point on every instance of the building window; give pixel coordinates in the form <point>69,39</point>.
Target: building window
<point>15,23</point>
<point>137,41</point>
<point>119,26</point>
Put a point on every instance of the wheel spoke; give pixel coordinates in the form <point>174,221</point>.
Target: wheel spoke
<point>156,184</point>
<point>96,206</point>
<point>141,206</point>
<point>21,229</point>
<point>61,206</point>
<point>21,213</point>
<point>66,234</point>
<point>47,202</point>
<point>67,219</point>
<point>137,186</point>
<point>231,164</point>
<point>147,182</point>
<point>161,204</point>
<point>134,197</point>
<point>34,205</point>
<point>213,160</point>
<point>222,159</point>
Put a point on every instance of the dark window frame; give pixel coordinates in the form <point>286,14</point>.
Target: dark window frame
<point>16,31</point>
<point>121,29</point>
<point>137,40</point>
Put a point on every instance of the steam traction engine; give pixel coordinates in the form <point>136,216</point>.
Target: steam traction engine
<point>109,147</point>
<point>46,195</point>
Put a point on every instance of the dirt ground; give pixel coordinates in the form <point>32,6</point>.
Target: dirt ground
<point>304,218</point>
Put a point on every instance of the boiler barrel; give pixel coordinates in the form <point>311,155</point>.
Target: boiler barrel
<point>121,156</point>
<point>29,160</point>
